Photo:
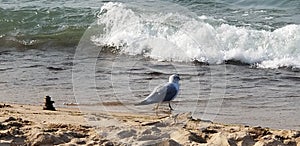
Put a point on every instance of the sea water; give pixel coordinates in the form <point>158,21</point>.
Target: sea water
<point>238,60</point>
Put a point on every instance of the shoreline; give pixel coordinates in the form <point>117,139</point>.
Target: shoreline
<point>30,125</point>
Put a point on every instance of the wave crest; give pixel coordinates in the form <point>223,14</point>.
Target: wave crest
<point>172,36</point>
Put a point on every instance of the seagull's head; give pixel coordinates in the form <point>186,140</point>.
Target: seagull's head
<point>174,78</point>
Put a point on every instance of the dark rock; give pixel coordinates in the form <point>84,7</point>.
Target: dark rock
<point>48,104</point>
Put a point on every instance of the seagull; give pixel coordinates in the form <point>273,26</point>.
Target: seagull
<point>163,93</point>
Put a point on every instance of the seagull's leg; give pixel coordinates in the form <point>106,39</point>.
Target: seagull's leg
<point>156,106</point>
<point>156,109</point>
<point>170,106</point>
<point>156,113</point>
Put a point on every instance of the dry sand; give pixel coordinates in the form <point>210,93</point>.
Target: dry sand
<point>30,125</point>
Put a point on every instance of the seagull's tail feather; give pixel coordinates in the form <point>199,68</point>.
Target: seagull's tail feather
<point>142,103</point>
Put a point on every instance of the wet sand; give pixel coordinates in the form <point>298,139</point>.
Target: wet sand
<point>30,125</point>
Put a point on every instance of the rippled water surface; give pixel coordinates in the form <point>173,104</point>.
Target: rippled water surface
<point>238,60</point>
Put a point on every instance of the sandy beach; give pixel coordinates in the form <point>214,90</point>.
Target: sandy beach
<point>30,125</point>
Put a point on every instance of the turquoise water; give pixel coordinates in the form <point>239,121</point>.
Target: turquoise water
<point>31,24</point>
<point>263,32</point>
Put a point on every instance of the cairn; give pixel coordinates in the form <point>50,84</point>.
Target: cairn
<point>48,104</point>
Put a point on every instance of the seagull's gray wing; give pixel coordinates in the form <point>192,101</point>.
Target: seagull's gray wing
<point>171,92</point>
<point>157,95</point>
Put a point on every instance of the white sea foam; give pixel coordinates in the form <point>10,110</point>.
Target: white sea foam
<point>175,36</point>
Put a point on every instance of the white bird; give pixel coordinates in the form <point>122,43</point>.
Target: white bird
<point>163,93</point>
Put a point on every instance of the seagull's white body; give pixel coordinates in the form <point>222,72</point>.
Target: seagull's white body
<point>163,93</point>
